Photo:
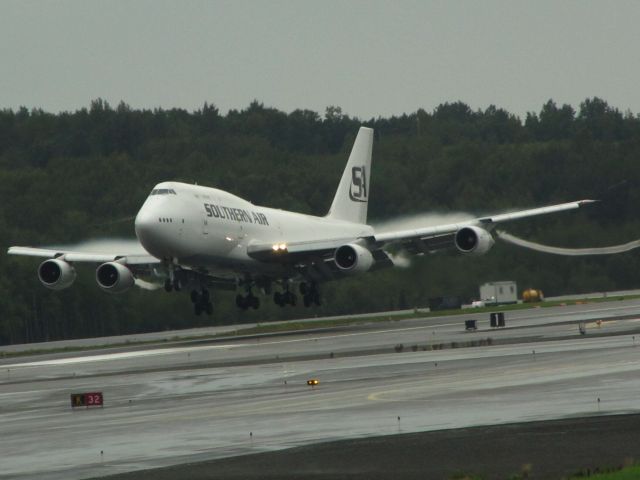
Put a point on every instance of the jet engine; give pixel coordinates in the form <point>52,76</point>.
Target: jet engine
<point>113,277</point>
<point>473,240</point>
<point>352,258</point>
<point>56,274</point>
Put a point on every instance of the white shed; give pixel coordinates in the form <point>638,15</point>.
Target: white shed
<point>499,292</point>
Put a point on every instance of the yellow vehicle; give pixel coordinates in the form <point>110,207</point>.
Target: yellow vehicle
<point>532,295</point>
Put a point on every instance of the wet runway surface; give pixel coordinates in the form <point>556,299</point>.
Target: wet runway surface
<point>195,401</point>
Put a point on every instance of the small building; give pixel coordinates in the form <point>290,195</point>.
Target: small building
<point>494,293</point>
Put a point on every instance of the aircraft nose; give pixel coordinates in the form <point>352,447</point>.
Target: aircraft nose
<point>144,225</point>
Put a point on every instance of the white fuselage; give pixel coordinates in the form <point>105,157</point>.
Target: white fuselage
<point>204,227</point>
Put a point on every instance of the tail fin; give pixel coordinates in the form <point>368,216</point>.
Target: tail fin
<point>352,198</point>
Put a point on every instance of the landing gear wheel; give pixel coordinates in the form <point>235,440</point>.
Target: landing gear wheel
<point>290,298</point>
<point>253,301</point>
<point>278,299</point>
<point>201,302</point>
<point>168,286</point>
<point>311,296</point>
<point>240,303</point>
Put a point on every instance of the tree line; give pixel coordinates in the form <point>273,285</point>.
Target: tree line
<point>81,175</point>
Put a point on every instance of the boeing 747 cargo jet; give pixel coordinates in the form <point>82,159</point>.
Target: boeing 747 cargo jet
<point>201,238</point>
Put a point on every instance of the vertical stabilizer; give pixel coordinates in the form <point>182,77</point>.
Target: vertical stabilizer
<point>352,197</point>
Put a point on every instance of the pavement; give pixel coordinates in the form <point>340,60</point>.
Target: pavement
<point>552,449</point>
<point>205,400</point>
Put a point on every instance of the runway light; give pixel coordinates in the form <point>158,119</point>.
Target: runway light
<point>313,382</point>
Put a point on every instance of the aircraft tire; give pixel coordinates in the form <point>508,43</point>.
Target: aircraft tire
<point>254,302</point>
<point>167,285</point>
<point>240,303</point>
<point>195,296</point>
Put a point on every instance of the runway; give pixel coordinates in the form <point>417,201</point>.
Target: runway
<point>193,401</point>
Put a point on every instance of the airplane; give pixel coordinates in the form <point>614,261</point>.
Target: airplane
<point>199,238</point>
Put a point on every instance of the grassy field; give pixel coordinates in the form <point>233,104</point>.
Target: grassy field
<point>629,473</point>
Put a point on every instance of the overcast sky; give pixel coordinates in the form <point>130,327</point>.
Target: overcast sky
<point>371,58</point>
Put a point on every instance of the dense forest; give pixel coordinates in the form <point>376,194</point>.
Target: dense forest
<point>83,175</point>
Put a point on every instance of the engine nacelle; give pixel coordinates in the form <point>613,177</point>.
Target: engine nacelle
<point>352,258</point>
<point>56,274</point>
<point>473,240</point>
<point>113,277</point>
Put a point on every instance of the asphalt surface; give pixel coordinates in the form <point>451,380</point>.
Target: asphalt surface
<point>544,450</point>
<point>198,401</point>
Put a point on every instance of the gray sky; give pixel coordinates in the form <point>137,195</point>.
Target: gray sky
<point>371,58</point>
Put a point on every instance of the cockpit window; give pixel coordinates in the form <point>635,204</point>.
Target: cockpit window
<point>163,191</point>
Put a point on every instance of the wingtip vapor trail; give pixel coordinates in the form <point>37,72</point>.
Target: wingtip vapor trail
<point>572,252</point>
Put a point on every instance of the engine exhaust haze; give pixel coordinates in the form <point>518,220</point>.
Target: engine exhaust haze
<point>412,222</point>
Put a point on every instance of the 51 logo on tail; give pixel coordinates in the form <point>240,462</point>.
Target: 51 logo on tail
<point>358,191</point>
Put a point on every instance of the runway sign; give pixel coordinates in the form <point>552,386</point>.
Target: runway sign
<point>91,399</point>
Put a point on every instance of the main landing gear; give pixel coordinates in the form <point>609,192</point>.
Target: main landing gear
<point>201,302</point>
<point>309,292</point>
<point>171,285</point>
<point>285,298</point>
<point>248,300</point>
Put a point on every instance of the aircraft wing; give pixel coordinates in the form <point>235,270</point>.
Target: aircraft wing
<point>316,259</point>
<point>132,258</point>
<point>296,251</point>
<point>443,233</point>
